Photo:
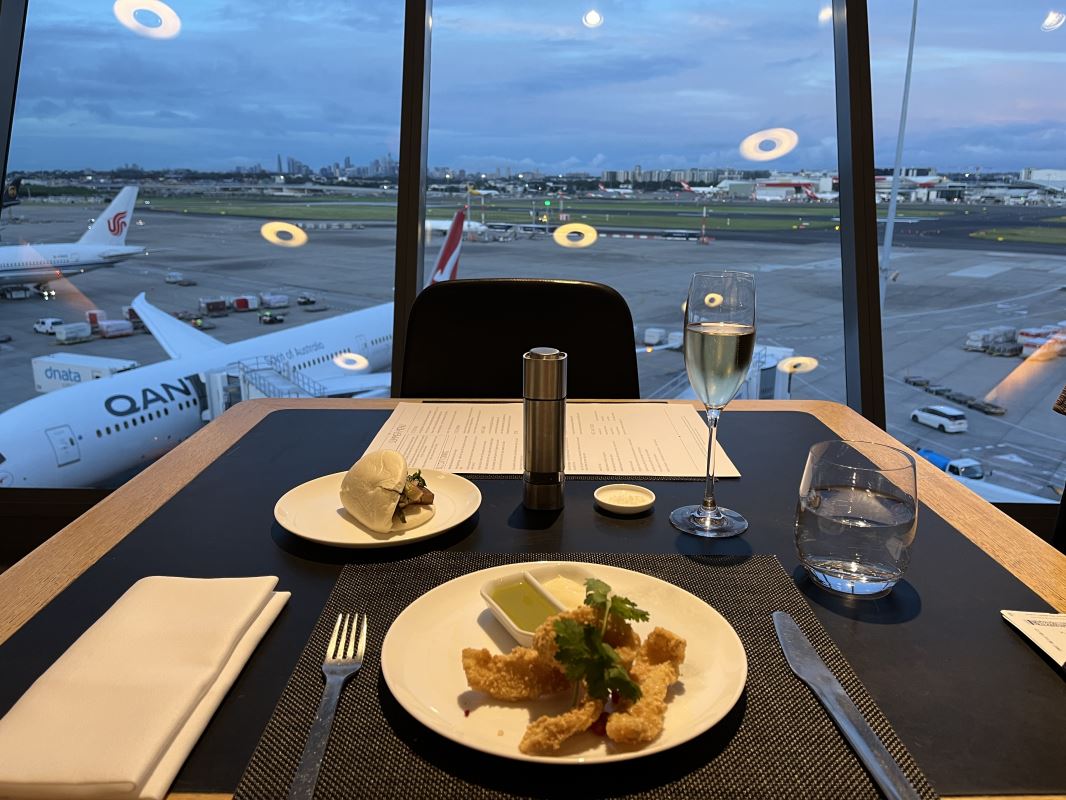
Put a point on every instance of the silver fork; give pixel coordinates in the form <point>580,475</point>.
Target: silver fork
<point>341,663</point>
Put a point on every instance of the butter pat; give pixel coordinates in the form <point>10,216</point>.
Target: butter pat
<point>568,592</point>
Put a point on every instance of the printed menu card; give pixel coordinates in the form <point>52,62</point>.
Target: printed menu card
<point>667,440</point>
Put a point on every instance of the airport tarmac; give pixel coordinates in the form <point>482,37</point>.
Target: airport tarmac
<point>941,293</point>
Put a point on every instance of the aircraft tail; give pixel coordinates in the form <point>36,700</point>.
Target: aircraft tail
<point>809,192</point>
<point>447,266</point>
<point>11,192</point>
<point>111,226</point>
<point>176,337</point>
<point>686,187</point>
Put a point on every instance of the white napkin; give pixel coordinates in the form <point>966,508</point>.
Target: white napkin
<point>117,714</point>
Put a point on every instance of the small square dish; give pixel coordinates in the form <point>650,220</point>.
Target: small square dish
<point>624,498</point>
<point>523,600</point>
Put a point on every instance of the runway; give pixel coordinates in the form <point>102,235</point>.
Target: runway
<point>948,284</point>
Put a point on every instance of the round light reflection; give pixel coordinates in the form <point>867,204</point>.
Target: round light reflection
<point>784,141</point>
<point>592,18</point>
<point>1053,21</point>
<point>169,22</point>
<point>796,364</point>
<point>713,300</point>
<point>352,361</point>
<point>825,16</point>
<point>283,234</point>
<point>586,233</point>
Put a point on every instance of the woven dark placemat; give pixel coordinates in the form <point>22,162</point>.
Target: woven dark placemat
<point>776,742</point>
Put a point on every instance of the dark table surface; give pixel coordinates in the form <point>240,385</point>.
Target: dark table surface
<point>979,708</point>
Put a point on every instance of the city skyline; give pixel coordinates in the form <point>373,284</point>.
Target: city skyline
<point>669,87</point>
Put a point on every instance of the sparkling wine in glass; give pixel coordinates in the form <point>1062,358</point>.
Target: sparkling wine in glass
<point>719,343</point>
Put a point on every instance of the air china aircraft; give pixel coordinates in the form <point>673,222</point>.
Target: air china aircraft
<point>103,245</point>
<point>85,434</point>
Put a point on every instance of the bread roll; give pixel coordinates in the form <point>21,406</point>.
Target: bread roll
<point>372,489</point>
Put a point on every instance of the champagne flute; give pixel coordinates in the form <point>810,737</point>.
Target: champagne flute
<point>719,342</point>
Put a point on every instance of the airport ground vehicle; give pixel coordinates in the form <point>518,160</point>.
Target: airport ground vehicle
<point>67,369</point>
<point>270,318</point>
<point>73,332</point>
<point>966,467</point>
<point>943,418</point>
<point>47,325</point>
<point>306,300</point>
<point>987,408</point>
<point>915,380</point>
<point>5,337</point>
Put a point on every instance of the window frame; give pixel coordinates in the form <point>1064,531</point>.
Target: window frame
<point>863,355</point>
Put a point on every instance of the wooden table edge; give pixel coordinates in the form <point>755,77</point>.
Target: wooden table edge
<point>31,584</point>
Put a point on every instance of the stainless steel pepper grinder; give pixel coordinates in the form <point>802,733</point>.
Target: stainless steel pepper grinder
<point>544,418</point>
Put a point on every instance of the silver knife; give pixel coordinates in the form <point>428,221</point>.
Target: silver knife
<point>807,665</point>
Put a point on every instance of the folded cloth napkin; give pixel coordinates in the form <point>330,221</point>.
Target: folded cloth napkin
<point>117,714</point>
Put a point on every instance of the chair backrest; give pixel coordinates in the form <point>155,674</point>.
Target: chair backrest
<point>465,338</point>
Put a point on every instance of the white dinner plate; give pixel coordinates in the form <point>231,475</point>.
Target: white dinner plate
<point>313,511</point>
<point>421,660</point>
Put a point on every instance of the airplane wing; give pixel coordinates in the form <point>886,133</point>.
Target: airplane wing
<point>335,381</point>
<point>176,337</point>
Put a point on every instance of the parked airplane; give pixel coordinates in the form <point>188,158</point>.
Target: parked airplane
<point>443,226</point>
<point>10,194</point>
<point>699,189</point>
<point>85,434</point>
<point>103,245</point>
<point>471,189</point>
<point>624,190</point>
<point>819,196</point>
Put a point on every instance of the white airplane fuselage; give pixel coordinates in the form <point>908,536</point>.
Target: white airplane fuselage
<point>85,434</point>
<point>29,263</point>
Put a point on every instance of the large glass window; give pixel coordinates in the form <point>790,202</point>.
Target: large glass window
<point>679,138</point>
<point>974,312</point>
<point>236,164</point>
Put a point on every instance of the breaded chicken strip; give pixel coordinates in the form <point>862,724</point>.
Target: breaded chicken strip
<point>547,734</point>
<point>656,667</point>
<point>518,675</point>
<point>620,634</point>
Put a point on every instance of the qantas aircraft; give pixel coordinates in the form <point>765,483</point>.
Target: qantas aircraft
<point>699,189</point>
<point>85,434</point>
<point>103,245</point>
<point>445,227</point>
<point>625,190</point>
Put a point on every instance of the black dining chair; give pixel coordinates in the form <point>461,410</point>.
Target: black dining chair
<point>465,338</point>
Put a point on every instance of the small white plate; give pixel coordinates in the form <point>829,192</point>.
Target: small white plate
<point>313,511</point>
<point>421,661</point>
<point>635,500</point>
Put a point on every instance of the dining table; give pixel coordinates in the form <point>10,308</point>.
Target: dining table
<point>973,706</point>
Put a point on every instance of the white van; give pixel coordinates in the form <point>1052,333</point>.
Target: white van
<point>47,324</point>
<point>943,418</point>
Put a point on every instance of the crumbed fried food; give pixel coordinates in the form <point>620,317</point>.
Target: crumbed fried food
<point>518,675</point>
<point>620,634</point>
<point>547,734</point>
<point>655,668</point>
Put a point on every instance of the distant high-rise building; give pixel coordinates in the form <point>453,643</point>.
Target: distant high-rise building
<point>279,163</point>
<point>347,162</point>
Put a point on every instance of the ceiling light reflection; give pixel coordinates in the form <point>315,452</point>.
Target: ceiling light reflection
<point>586,235</point>
<point>283,234</point>
<point>169,22</point>
<point>783,141</point>
<point>713,300</point>
<point>592,18</point>
<point>352,361</point>
<point>825,16</point>
<point>1053,21</point>
<point>800,364</point>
